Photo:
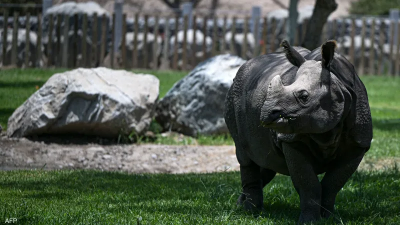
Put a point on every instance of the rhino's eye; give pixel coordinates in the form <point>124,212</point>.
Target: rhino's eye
<point>303,96</point>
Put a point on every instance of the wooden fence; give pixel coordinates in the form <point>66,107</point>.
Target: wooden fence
<point>376,57</point>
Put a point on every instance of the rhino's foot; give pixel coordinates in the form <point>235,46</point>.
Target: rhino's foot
<point>327,211</point>
<point>309,218</point>
<point>251,200</point>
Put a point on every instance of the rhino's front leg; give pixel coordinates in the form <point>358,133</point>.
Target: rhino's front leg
<point>252,196</point>
<point>305,181</point>
<point>333,182</point>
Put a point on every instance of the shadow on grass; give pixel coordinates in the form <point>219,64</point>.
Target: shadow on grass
<point>21,84</point>
<point>386,124</point>
<point>195,193</point>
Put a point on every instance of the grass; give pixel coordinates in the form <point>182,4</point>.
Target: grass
<point>17,85</point>
<point>94,197</point>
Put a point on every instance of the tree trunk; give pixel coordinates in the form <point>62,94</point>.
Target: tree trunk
<point>292,25</point>
<point>322,10</point>
<point>214,5</point>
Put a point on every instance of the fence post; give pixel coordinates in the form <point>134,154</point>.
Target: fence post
<point>57,51</point>
<point>103,39</point>
<point>27,39</point>
<point>291,27</point>
<point>39,42</point>
<point>245,42</point>
<point>255,20</point>
<point>381,43</point>
<point>46,5</point>
<point>75,39</point>
<point>145,50</point>
<point>118,10</point>
<point>155,43</point>
<point>84,43</point>
<point>184,45</point>
<point>175,59</point>
<point>205,37</point>
<point>95,40</point>
<point>187,10</point>
<point>394,31</point>
<point>135,53</point>
<point>223,43</point>
<point>165,61</point>
<point>123,43</point>
<point>233,41</point>
<point>14,61</point>
<point>371,69</point>
<point>194,43</point>
<point>112,49</point>
<point>215,36</point>
<point>361,70</point>
<point>65,44</point>
<point>5,34</point>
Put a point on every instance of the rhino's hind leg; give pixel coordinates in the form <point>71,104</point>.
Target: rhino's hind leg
<point>333,182</point>
<point>252,195</point>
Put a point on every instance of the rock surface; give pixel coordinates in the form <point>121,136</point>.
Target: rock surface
<point>72,8</point>
<point>195,104</point>
<point>99,101</point>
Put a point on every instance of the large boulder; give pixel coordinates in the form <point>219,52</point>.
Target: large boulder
<point>195,104</point>
<point>99,101</point>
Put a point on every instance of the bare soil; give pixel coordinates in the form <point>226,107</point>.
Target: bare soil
<point>145,158</point>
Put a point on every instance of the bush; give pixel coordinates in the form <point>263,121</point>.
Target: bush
<point>373,7</point>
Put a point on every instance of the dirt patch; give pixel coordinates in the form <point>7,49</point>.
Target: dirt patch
<point>26,154</point>
<point>147,158</point>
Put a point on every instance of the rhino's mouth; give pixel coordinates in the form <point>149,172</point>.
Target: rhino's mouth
<point>282,120</point>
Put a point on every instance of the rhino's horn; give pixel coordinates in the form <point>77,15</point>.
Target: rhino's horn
<point>328,52</point>
<point>292,55</point>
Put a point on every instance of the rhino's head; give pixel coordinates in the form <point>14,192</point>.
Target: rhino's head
<point>313,103</point>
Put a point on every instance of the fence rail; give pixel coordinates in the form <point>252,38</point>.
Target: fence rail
<point>69,41</point>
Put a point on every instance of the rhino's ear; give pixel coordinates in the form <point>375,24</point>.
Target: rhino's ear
<point>328,52</point>
<point>292,55</point>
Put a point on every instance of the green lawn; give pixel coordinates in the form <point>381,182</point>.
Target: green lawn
<point>94,197</point>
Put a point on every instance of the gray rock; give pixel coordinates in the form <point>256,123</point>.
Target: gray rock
<point>99,101</point>
<point>195,104</point>
<point>72,8</point>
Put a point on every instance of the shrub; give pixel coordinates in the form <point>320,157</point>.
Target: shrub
<point>373,7</point>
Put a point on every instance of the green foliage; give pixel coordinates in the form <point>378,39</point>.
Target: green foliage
<point>94,197</point>
<point>373,7</point>
<point>25,6</point>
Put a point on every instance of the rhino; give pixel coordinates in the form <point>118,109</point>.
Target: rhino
<point>298,113</point>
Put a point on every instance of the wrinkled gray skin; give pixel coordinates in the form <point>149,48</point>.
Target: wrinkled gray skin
<point>299,117</point>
